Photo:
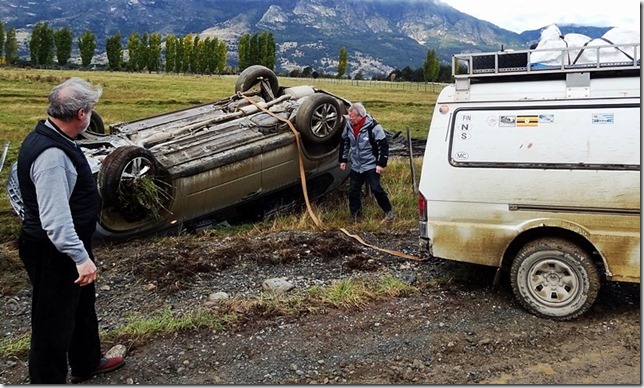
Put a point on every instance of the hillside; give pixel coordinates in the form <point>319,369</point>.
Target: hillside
<point>379,35</point>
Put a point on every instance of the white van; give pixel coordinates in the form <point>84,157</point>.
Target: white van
<point>537,172</point>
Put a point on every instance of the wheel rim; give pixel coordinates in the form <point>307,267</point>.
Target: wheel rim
<point>553,282</point>
<point>136,169</point>
<point>324,120</point>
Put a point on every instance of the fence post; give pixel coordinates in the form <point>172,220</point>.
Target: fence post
<point>411,162</point>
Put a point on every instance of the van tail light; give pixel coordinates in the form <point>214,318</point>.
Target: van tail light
<point>422,207</point>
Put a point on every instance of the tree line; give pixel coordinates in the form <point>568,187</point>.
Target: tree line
<point>185,54</point>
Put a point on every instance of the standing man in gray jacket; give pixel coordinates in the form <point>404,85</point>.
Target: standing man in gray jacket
<point>364,145</point>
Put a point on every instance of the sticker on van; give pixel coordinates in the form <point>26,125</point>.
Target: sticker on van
<point>603,118</point>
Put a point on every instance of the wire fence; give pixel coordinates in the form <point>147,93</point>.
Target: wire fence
<point>418,86</point>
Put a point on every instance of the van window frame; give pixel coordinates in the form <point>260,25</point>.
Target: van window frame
<point>533,165</point>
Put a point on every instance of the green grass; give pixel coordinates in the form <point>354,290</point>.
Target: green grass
<point>342,294</point>
<point>130,96</point>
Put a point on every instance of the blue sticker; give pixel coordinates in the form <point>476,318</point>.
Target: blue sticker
<point>603,118</point>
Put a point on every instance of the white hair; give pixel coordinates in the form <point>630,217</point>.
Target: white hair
<point>359,108</point>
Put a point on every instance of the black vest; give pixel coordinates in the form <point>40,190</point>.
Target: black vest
<point>84,202</point>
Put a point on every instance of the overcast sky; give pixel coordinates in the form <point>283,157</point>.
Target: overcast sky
<point>522,15</point>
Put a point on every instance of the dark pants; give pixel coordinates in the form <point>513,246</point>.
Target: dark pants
<point>63,317</point>
<point>357,180</point>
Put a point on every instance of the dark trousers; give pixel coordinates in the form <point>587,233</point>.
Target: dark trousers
<point>357,180</point>
<point>63,316</point>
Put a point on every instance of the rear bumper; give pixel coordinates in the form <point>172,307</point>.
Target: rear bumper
<point>424,242</point>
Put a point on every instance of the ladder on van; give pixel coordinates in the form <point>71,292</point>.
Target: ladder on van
<point>570,60</point>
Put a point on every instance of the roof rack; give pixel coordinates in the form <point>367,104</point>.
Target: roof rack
<point>596,58</point>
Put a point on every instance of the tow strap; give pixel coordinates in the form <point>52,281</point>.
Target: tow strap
<point>299,158</point>
<point>391,252</point>
<point>315,219</point>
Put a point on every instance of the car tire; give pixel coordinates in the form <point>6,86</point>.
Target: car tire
<point>252,74</point>
<point>122,169</point>
<point>319,118</point>
<point>554,278</point>
<point>96,125</point>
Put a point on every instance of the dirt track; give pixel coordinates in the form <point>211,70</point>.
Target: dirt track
<point>456,329</point>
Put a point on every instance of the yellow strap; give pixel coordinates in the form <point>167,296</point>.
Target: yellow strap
<point>318,223</point>
<point>391,252</point>
<point>299,154</point>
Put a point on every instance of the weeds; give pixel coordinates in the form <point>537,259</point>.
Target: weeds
<point>347,293</point>
<point>343,294</point>
<point>141,329</point>
<point>144,192</point>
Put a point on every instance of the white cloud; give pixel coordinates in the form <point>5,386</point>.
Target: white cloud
<point>519,16</point>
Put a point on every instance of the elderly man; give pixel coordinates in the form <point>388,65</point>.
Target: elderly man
<point>365,146</point>
<point>61,203</point>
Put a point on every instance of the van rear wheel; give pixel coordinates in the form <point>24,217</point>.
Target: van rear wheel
<point>554,278</point>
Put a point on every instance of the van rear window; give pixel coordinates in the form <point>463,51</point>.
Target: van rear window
<point>571,137</point>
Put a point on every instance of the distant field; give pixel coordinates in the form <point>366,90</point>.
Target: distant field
<point>130,96</point>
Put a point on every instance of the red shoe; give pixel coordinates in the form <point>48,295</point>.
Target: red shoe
<point>104,366</point>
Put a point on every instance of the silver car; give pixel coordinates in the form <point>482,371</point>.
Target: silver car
<point>241,156</point>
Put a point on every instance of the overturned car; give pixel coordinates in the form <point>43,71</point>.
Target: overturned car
<point>241,156</point>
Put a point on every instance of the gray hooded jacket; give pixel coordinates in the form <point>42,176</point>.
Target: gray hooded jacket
<point>364,153</point>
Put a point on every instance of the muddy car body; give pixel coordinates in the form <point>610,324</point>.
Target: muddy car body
<point>194,166</point>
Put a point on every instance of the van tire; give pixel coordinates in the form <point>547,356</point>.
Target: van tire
<point>554,278</point>
<point>319,118</point>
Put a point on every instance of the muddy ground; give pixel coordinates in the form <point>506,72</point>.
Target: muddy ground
<point>454,329</point>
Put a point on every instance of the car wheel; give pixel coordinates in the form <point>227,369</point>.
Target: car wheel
<point>133,182</point>
<point>318,118</point>
<point>554,278</point>
<point>96,125</point>
<point>254,74</point>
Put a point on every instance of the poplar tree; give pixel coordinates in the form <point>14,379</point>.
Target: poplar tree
<point>194,55</point>
<point>222,51</point>
<point>143,53</point>
<point>254,49</point>
<point>114,51</point>
<point>133,51</point>
<point>271,57</point>
<point>35,44</point>
<point>431,66</point>
<point>154,52</point>
<point>11,47</point>
<point>2,35</point>
<point>170,53</point>
<point>47,46</point>
<point>178,57</point>
<point>187,53</point>
<point>343,62</point>
<point>262,49</point>
<point>87,45</point>
<point>63,38</point>
<point>243,50</point>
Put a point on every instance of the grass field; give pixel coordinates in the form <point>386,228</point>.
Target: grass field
<point>130,96</point>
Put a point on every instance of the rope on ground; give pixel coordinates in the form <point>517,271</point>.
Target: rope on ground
<point>316,220</point>
<point>391,252</point>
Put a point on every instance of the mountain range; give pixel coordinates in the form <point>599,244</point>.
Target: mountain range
<point>379,35</point>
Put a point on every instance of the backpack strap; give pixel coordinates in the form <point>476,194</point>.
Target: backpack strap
<point>372,139</point>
